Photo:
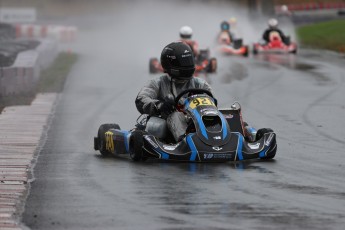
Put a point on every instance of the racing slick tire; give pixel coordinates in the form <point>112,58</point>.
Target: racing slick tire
<point>255,50</point>
<point>212,66</point>
<point>152,68</point>
<point>294,51</point>
<point>245,54</point>
<point>260,133</point>
<point>136,145</point>
<point>101,142</point>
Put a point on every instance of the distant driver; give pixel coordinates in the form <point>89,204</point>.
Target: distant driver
<point>274,32</point>
<point>186,34</point>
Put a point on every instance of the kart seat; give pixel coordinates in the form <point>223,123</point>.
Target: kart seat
<point>157,127</point>
<point>224,38</point>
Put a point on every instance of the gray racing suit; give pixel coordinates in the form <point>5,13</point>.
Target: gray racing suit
<point>160,89</point>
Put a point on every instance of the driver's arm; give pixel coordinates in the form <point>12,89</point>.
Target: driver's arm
<point>199,83</point>
<point>196,48</point>
<point>207,87</point>
<point>148,98</point>
<point>281,34</point>
<point>265,35</point>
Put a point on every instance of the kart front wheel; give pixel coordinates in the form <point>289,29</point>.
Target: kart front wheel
<point>152,67</point>
<point>136,145</point>
<point>212,68</point>
<point>101,140</point>
<point>260,133</point>
<point>294,51</point>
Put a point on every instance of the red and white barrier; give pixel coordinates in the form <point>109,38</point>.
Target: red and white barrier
<point>60,33</point>
<point>281,9</point>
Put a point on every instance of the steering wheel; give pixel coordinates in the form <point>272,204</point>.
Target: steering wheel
<point>191,92</point>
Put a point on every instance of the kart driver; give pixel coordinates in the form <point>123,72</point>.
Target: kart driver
<point>273,27</point>
<point>157,97</point>
<point>233,26</point>
<point>225,36</point>
<point>186,33</point>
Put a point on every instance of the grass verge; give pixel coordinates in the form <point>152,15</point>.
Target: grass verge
<point>326,35</point>
<point>51,80</point>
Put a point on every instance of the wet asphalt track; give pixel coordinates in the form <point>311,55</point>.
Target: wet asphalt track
<point>301,98</point>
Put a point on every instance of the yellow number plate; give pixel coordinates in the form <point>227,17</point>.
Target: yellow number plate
<point>109,142</point>
<point>200,101</point>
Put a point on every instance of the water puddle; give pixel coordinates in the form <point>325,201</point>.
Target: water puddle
<point>236,72</point>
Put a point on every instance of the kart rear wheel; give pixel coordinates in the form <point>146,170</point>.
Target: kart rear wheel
<point>101,137</point>
<point>136,145</point>
<point>152,67</point>
<point>212,67</point>
<point>259,135</point>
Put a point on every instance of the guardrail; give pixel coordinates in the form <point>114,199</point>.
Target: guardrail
<point>22,76</point>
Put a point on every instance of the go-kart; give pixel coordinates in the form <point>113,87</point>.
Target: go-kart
<point>155,66</point>
<point>203,63</point>
<point>235,47</point>
<point>213,135</point>
<point>276,45</point>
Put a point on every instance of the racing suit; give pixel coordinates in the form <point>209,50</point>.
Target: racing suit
<point>266,35</point>
<point>225,37</point>
<point>162,88</point>
<point>193,45</point>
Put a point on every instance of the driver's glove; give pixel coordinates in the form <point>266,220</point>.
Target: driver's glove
<point>164,108</point>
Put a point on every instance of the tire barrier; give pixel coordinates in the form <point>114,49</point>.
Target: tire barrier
<point>60,33</point>
<point>22,76</point>
<point>10,48</point>
<point>7,32</point>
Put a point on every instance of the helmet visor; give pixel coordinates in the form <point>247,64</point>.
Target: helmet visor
<point>182,73</point>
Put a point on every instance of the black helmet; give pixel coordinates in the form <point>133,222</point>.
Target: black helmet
<point>224,25</point>
<point>177,60</point>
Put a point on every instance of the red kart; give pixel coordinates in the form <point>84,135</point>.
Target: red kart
<point>203,64</point>
<point>230,46</point>
<point>155,66</point>
<point>276,45</point>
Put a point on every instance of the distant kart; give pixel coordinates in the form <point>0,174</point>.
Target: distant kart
<point>155,66</point>
<point>235,48</point>
<point>213,135</point>
<point>276,45</point>
<point>204,64</point>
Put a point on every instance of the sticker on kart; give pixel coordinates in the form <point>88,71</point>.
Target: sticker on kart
<point>109,143</point>
<point>200,101</point>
